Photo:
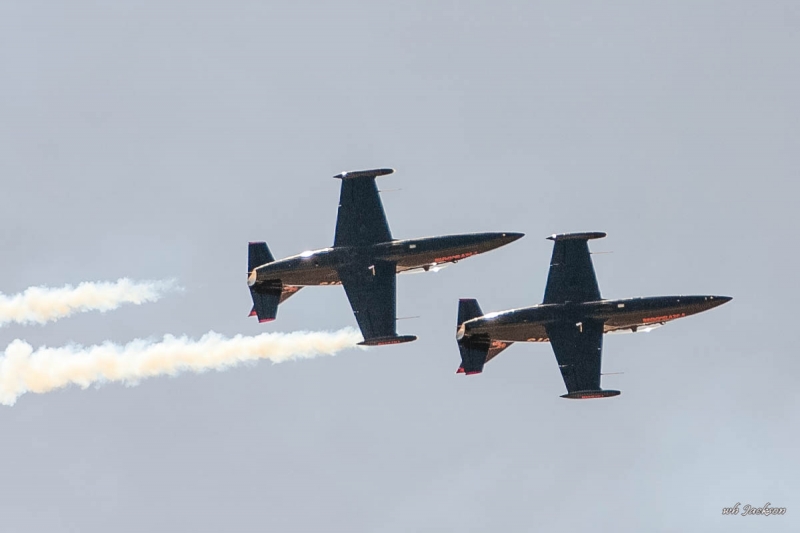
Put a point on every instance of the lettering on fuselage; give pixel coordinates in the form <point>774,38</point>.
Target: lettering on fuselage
<point>455,257</point>
<point>662,318</point>
<point>538,339</point>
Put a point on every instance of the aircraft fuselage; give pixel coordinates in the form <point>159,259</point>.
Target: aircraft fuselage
<point>320,267</point>
<point>529,324</point>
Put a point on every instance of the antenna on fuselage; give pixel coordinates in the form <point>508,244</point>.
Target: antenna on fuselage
<point>406,317</point>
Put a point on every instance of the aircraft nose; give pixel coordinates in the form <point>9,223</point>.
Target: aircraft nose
<point>511,237</point>
<point>716,301</point>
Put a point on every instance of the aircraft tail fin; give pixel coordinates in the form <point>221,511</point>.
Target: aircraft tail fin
<point>267,295</point>
<point>476,350</point>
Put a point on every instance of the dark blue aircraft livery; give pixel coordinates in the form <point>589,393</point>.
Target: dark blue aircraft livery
<point>365,259</point>
<point>573,318</point>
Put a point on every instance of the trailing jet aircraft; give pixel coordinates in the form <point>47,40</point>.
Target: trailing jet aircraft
<point>573,318</point>
<point>364,259</point>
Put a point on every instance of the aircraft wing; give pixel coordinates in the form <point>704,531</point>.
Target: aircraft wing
<point>571,277</point>
<point>361,220</point>
<point>372,295</point>
<point>578,348</point>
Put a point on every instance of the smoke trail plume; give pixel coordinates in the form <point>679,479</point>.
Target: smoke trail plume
<point>23,369</point>
<point>44,304</point>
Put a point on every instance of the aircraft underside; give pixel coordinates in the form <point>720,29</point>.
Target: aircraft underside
<point>642,314</point>
<point>364,259</point>
<point>572,317</point>
<point>420,255</point>
<point>538,332</point>
<point>331,276</point>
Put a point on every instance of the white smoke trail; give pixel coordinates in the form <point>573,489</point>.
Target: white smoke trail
<point>23,369</point>
<point>44,304</point>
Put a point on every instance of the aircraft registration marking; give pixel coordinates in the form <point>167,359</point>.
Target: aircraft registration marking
<point>663,318</point>
<point>455,257</point>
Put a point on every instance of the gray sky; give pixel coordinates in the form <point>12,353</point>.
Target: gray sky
<point>154,139</point>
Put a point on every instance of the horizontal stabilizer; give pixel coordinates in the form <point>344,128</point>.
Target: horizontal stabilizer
<point>266,298</point>
<point>392,339</point>
<point>258,254</point>
<point>474,350</point>
<point>589,394</point>
<point>468,309</point>
<point>270,288</point>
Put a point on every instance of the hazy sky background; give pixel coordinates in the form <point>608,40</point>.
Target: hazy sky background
<point>155,139</point>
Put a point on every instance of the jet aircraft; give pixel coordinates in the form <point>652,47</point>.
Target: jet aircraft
<point>573,318</point>
<point>364,258</point>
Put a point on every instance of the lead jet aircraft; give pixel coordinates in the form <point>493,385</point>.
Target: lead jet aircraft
<point>572,317</point>
<point>364,258</point>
